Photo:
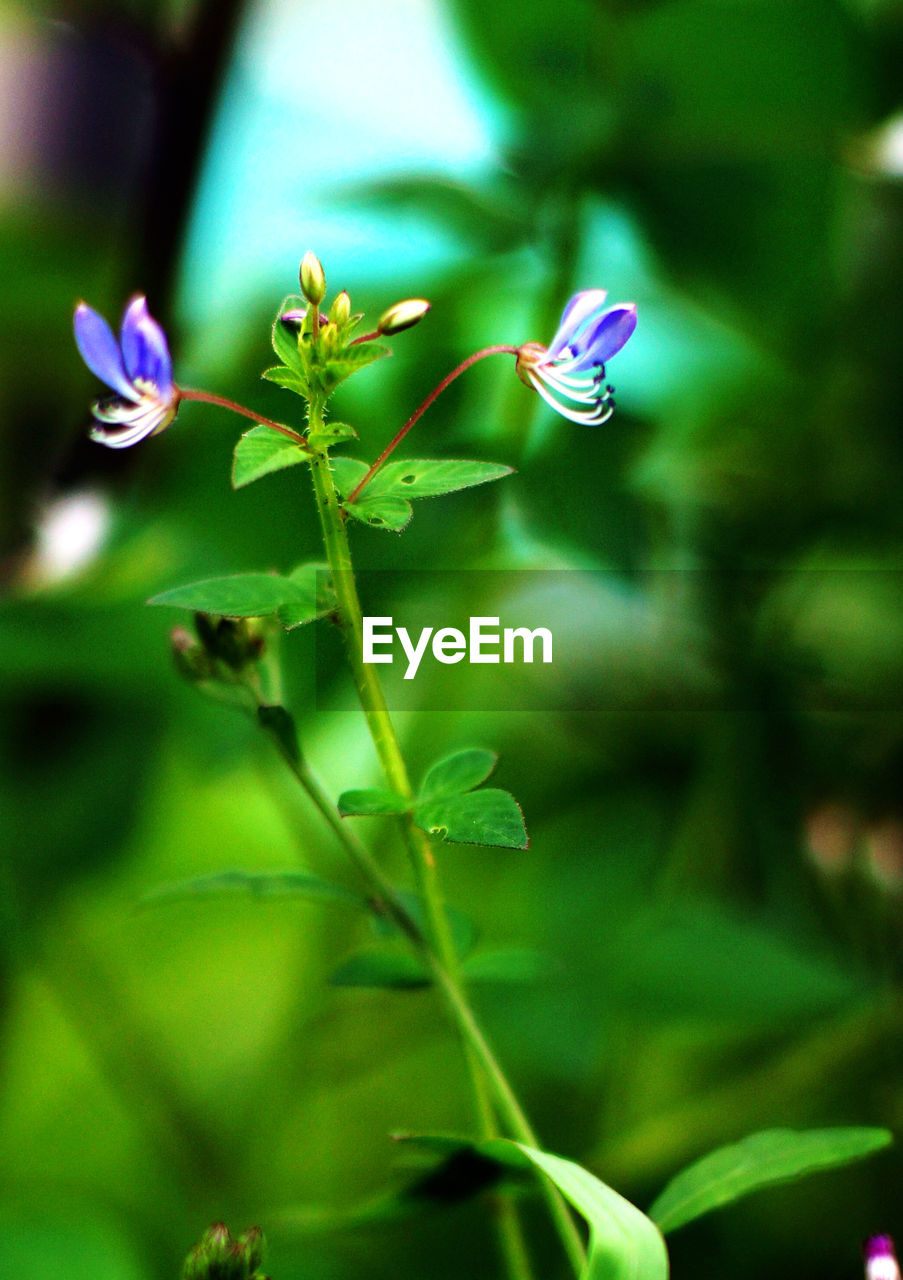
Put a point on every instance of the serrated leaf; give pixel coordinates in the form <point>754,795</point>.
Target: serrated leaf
<point>241,595</point>
<point>459,772</point>
<point>288,379</point>
<point>316,597</point>
<point>392,514</point>
<point>260,451</point>
<point>331,433</point>
<point>372,802</point>
<point>280,723</point>
<point>760,1160</point>
<point>489,817</point>
<point>394,970</point>
<point>424,478</point>
<point>464,931</point>
<point>507,964</point>
<point>354,358</point>
<point>256,884</point>
<point>347,473</point>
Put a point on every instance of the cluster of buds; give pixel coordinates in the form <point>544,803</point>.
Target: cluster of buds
<point>336,325</point>
<point>222,649</point>
<point>218,1257</point>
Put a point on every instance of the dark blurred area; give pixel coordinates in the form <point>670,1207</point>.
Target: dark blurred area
<point>713,790</point>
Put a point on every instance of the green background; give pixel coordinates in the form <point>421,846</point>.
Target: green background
<point>716,864</point>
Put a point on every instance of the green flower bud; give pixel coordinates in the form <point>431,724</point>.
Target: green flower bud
<point>340,311</point>
<point>313,280</point>
<point>403,315</point>
<point>252,1244</point>
<point>218,1257</point>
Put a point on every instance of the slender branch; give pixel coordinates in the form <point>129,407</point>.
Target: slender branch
<point>207,397</point>
<point>365,337</point>
<point>418,413</point>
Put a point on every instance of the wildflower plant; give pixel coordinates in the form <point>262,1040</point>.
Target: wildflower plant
<point>229,654</point>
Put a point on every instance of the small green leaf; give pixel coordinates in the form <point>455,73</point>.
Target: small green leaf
<point>280,723</point>
<point>256,884</point>
<point>331,433</point>
<point>509,964</point>
<point>425,478</point>
<point>392,514</point>
<point>371,802</point>
<point>459,772</point>
<point>396,970</point>
<point>761,1160</point>
<point>241,595</point>
<point>288,379</point>
<point>351,360</point>
<point>316,598</point>
<point>477,817</point>
<point>347,473</point>
<point>260,451</point>
<point>285,337</point>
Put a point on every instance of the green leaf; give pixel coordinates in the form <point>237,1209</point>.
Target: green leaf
<point>478,817</point>
<point>351,360</point>
<point>285,338</point>
<point>371,802</point>
<point>287,378</point>
<point>623,1243</point>
<point>347,473</point>
<point>331,433</point>
<point>508,964</point>
<point>395,970</point>
<point>260,451</point>
<point>256,884</point>
<point>459,772</point>
<point>392,514</point>
<point>280,723</point>
<point>316,598</point>
<point>242,595</point>
<point>761,1160</point>
<point>422,478</point>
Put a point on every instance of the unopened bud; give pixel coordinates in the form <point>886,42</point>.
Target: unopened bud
<point>313,280</point>
<point>252,1245</point>
<point>340,310</point>
<point>190,658</point>
<point>403,315</point>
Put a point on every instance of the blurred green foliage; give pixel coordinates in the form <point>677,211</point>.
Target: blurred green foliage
<point>716,860</point>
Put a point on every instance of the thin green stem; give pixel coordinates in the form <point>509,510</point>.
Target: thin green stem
<point>440,955</point>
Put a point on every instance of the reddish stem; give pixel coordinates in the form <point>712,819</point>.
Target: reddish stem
<point>207,397</point>
<point>366,337</point>
<point>418,413</point>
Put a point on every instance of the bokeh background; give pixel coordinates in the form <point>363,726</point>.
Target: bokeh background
<point>716,869</point>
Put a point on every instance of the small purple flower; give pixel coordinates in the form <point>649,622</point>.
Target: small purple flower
<point>570,372</point>
<point>880,1259</point>
<point>137,368</point>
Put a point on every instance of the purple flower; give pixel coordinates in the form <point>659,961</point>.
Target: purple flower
<point>880,1259</point>
<point>137,368</point>
<point>569,374</point>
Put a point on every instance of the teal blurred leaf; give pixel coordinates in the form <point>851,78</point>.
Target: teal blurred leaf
<point>477,817</point>
<point>280,723</point>
<point>261,451</point>
<point>371,802</point>
<point>241,595</point>
<point>761,1160</point>
<point>256,884</point>
<point>459,772</point>
<point>393,970</point>
<point>425,478</point>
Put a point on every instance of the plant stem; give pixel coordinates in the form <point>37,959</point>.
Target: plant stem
<point>440,955</point>
<point>418,413</point>
<point>207,397</point>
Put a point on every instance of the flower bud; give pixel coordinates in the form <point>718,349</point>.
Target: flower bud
<point>403,315</point>
<point>190,658</point>
<point>340,310</point>
<point>313,280</point>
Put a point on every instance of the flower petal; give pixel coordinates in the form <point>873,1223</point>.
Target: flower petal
<point>576,313</point>
<point>144,348</point>
<point>605,337</point>
<point>138,422</point>
<point>100,351</point>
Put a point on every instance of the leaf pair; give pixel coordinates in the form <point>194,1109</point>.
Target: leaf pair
<point>385,503</point>
<point>301,597</point>
<point>448,807</point>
